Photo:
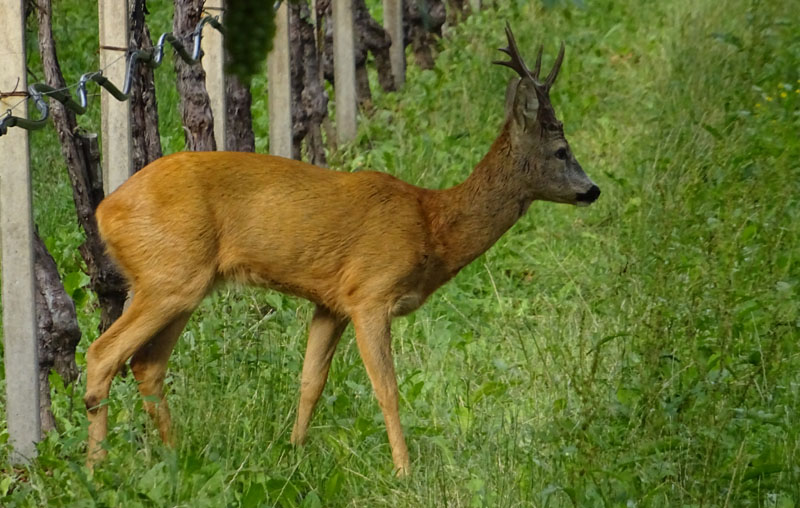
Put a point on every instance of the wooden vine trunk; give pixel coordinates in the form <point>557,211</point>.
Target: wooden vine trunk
<point>81,153</point>
<point>196,116</point>
<point>422,26</point>
<point>309,97</point>
<point>146,146</point>
<point>239,136</point>
<point>57,327</point>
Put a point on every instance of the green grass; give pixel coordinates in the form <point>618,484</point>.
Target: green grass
<point>640,352</point>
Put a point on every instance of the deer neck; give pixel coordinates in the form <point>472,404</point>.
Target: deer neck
<point>466,220</point>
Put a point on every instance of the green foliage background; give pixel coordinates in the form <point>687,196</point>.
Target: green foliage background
<point>247,43</point>
<point>640,352</point>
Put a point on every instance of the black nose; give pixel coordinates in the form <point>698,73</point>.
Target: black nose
<point>589,196</point>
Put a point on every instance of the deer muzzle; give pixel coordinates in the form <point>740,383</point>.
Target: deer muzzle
<point>588,197</point>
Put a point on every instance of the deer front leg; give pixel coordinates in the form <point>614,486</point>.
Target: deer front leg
<point>323,336</point>
<point>374,339</point>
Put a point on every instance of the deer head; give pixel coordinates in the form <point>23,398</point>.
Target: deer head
<point>536,136</point>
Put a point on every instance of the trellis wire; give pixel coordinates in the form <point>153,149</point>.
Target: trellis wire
<point>151,58</point>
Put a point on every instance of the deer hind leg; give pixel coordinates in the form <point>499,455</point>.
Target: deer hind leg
<point>323,336</point>
<point>374,339</point>
<point>149,366</point>
<point>150,312</point>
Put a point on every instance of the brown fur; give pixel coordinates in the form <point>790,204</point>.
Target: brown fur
<point>364,247</point>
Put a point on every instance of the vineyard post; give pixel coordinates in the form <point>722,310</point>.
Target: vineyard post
<point>16,236</point>
<point>115,116</point>
<point>344,70</point>
<point>393,23</point>
<point>213,64</point>
<point>280,88</point>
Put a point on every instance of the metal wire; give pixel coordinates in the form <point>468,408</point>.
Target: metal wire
<point>151,58</point>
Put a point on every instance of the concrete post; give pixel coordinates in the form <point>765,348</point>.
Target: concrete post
<point>115,120</point>
<point>314,20</point>
<point>393,23</point>
<point>279,87</point>
<point>16,236</point>
<point>213,64</point>
<point>344,70</point>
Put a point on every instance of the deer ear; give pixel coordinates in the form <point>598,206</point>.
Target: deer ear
<point>511,93</point>
<point>523,104</point>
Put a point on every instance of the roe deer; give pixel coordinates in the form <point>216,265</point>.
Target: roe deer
<point>364,247</point>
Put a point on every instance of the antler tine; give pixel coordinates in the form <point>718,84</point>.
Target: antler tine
<point>516,61</point>
<point>538,66</point>
<point>551,78</point>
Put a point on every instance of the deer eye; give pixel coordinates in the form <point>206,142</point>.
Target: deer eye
<point>561,153</point>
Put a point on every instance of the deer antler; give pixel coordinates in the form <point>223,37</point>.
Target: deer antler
<point>516,61</point>
<point>551,78</point>
<point>518,64</point>
<point>538,66</point>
